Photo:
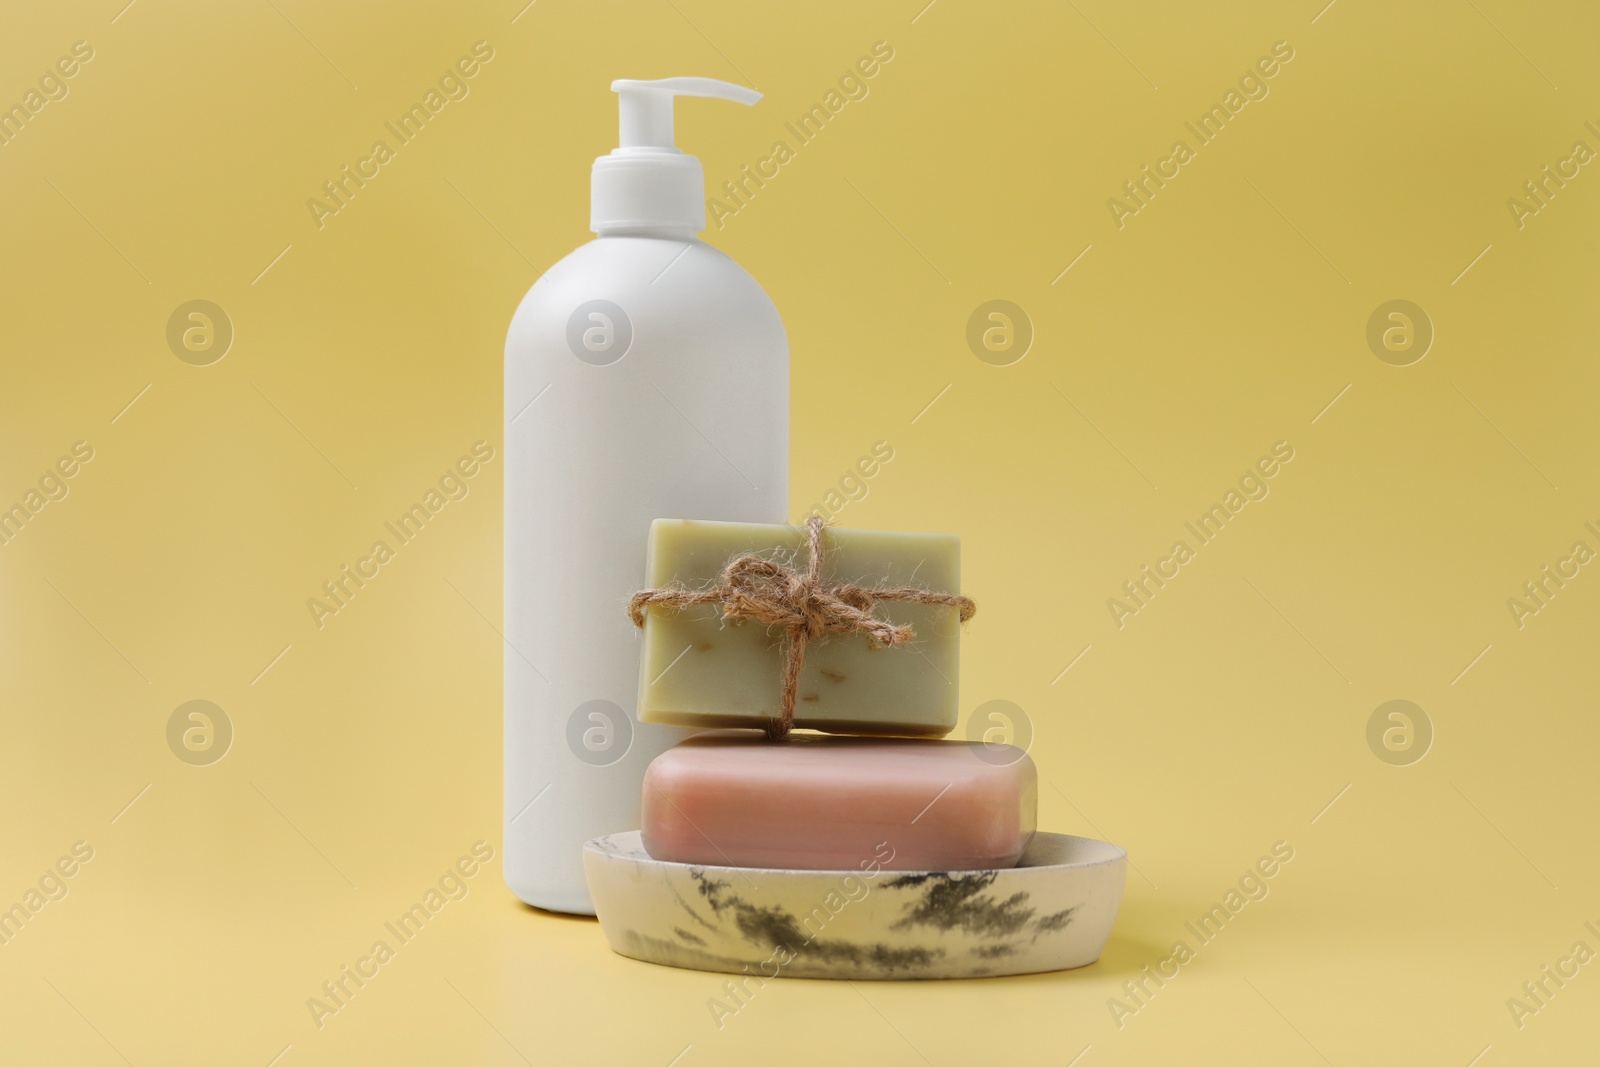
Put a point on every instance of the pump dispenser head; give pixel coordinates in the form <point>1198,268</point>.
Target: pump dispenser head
<point>646,184</point>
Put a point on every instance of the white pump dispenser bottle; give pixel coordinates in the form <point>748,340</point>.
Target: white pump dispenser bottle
<point>646,376</point>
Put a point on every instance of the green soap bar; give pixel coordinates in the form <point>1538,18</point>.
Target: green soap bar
<point>701,670</point>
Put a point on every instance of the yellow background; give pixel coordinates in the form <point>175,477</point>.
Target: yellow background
<point>1223,317</point>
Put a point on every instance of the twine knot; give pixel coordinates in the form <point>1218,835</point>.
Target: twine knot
<point>797,603</point>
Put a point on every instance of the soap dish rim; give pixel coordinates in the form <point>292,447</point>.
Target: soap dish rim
<point>1040,837</point>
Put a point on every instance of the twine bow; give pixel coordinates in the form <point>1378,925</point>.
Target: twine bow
<point>797,602</point>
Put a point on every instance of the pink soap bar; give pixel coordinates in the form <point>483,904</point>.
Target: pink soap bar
<point>732,798</point>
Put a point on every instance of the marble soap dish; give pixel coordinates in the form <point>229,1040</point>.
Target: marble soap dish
<point>1052,911</point>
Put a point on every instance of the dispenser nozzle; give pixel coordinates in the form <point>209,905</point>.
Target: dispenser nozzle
<point>645,185</point>
<point>645,107</point>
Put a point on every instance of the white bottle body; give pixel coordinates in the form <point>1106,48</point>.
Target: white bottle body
<point>691,421</point>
